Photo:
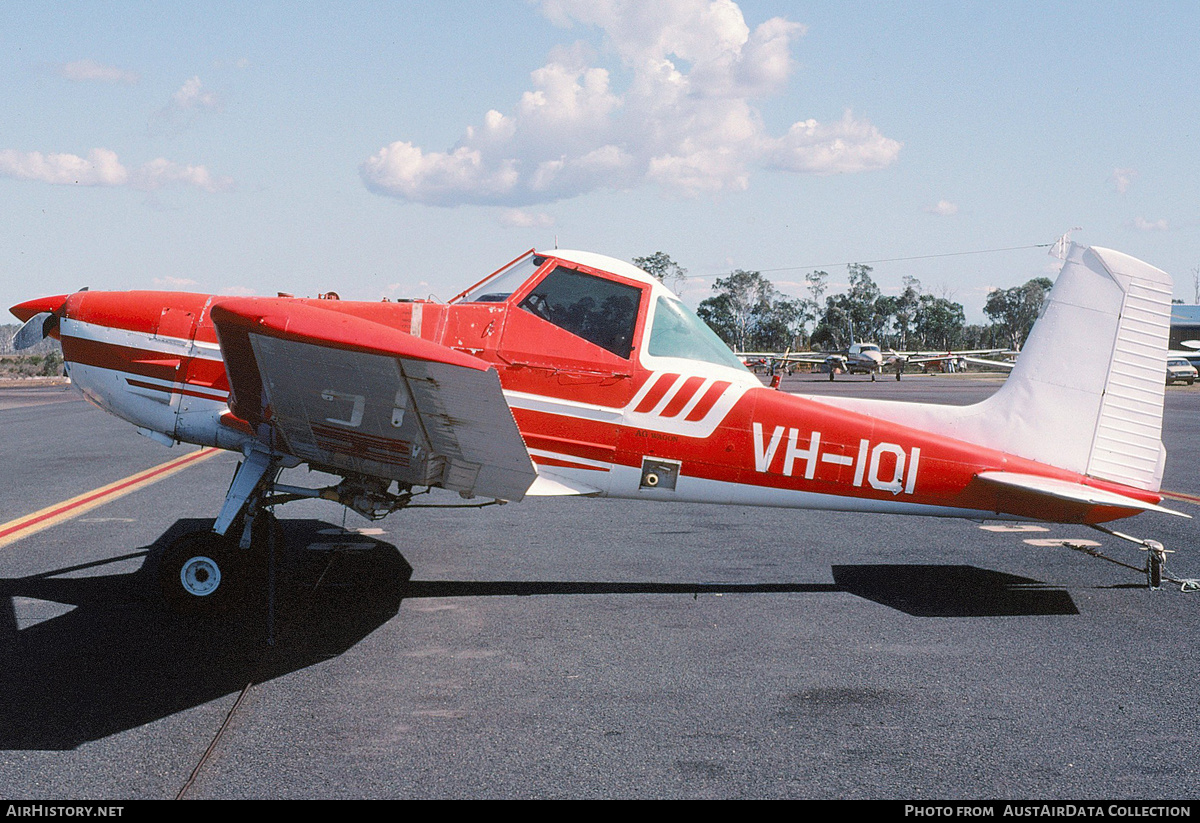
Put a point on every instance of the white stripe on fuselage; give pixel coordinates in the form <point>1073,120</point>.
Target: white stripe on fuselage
<point>176,346</point>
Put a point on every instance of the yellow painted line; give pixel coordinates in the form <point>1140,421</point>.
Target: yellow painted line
<point>15,530</point>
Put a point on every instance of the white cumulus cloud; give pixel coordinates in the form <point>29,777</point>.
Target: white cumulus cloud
<point>161,173</point>
<point>685,119</point>
<point>1142,224</point>
<point>521,219</point>
<point>89,71</point>
<point>174,282</point>
<point>101,167</point>
<point>193,95</point>
<point>944,208</point>
<point>1122,179</point>
<point>187,106</point>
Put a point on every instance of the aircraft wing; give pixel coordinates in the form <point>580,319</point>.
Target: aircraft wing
<point>348,394</point>
<point>999,364</point>
<point>979,357</point>
<point>789,357</point>
<point>815,357</point>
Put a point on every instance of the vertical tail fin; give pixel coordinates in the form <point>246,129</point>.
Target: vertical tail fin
<point>1087,391</point>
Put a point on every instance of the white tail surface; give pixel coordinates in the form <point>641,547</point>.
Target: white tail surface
<point>1086,393</point>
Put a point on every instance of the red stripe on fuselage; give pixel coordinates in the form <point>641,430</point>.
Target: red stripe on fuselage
<point>571,446</point>
<point>707,401</point>
<point>689,388</point>
<point>141,384</point>
<point>542,460</point>
<point>944,477</point>
<point>144,362</point>
<point>656,393</point>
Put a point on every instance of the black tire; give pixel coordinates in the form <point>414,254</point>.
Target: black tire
<point>1154,570</point>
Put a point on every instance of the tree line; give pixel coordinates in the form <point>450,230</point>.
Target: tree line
<point>750,314</point>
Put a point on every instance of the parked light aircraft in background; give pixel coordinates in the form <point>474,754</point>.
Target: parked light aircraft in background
<point>869,358</point>
<point>570,373</point>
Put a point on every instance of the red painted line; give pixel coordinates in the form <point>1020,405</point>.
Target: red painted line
<point>141,384</point>
<point>1186,498</point>
<point>24,526</point>
<point>566,464</point>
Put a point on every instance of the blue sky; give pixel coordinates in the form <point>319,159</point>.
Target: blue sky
<point>407,149</point>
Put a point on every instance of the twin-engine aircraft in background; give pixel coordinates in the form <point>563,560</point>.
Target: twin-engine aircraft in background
<point>870,359</point>
<point>570,373</point>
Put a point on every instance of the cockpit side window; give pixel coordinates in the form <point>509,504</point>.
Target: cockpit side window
<point>600,311</point>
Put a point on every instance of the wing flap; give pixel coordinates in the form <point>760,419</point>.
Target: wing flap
<point>352,395</point>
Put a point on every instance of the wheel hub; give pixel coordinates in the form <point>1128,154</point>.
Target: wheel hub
<point>200,576</point>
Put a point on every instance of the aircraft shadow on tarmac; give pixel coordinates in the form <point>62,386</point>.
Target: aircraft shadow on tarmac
<point>953,591</point>
<point>120,659</point>
<point>922,591</point>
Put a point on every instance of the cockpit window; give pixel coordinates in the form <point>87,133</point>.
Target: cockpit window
<point>497,289</point>
<point>598,310</point>
<point>677,332</point>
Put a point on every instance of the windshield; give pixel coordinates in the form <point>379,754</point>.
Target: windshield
<point>498,288</point>
<point>677,332</point>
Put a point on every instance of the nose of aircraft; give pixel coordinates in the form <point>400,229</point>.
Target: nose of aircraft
<point>39,320</point>
<point>29,308</point>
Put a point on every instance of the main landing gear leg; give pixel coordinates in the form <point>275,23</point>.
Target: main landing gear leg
<point>204,572</point>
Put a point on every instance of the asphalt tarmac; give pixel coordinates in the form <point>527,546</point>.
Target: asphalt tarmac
<point>561,648</point>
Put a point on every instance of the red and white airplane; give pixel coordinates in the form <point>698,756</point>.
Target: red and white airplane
<point>570,373</point>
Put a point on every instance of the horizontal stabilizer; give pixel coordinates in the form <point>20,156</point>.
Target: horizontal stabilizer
<point>354,396</point>
<point>1071,492</point>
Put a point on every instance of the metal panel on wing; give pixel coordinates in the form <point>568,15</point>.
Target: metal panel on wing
<point>418,422</point>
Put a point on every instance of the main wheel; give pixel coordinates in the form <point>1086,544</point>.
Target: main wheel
<point>199,571</point>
